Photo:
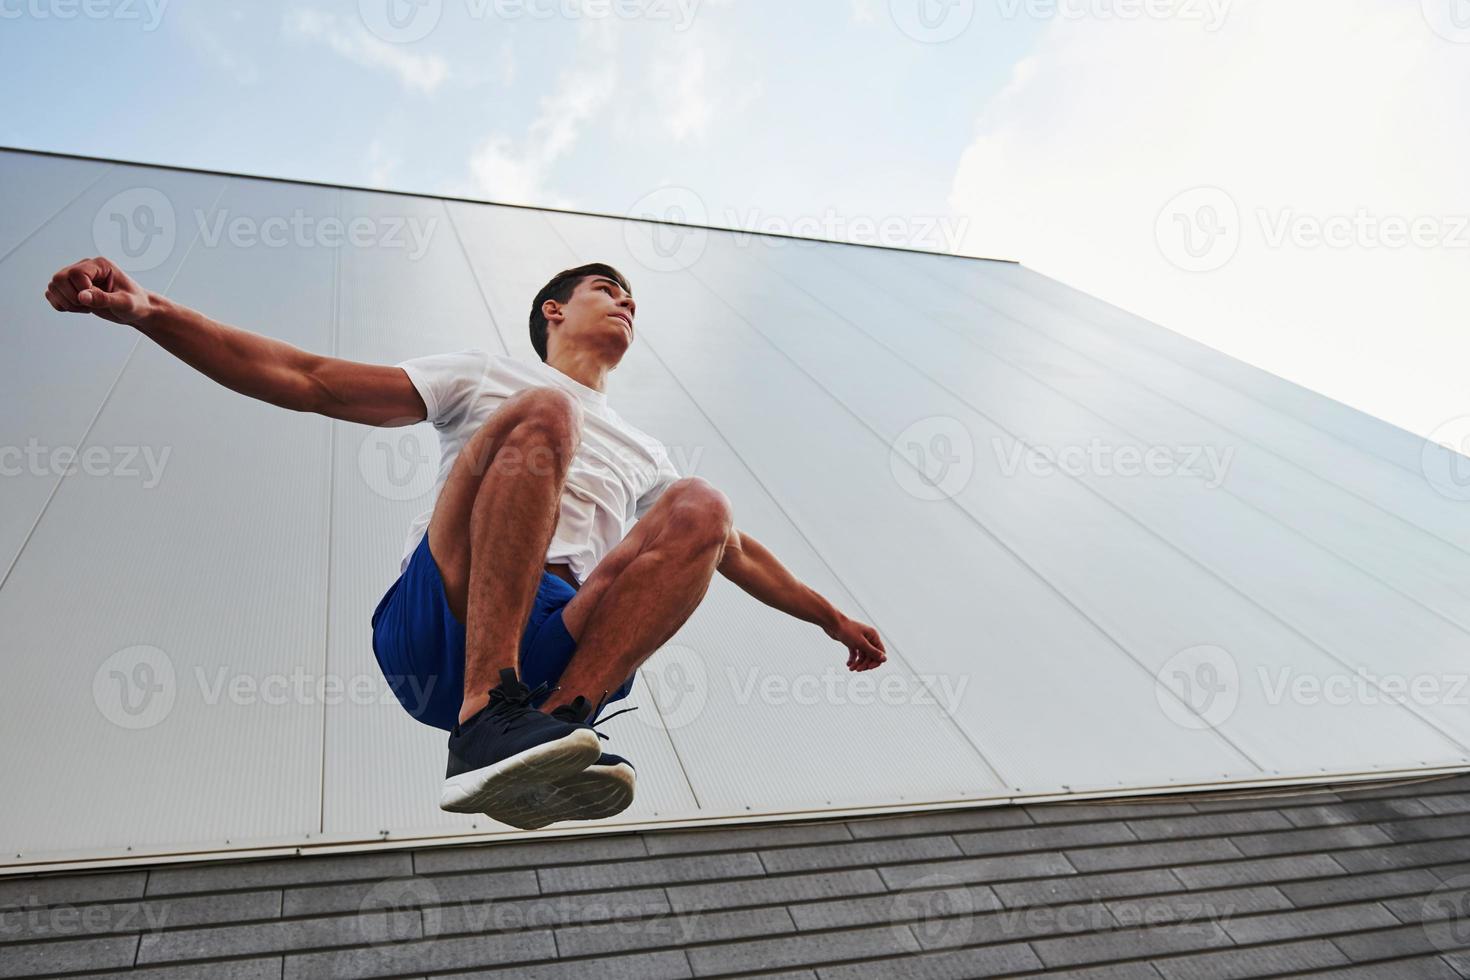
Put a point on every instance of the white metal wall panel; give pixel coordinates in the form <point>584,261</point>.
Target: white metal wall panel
<point>51,183</point>
<point>153,632</point>
<point>1029,616</point>
<point>1395,489</point>
<point>58,370</point>
<point>1376,542</point>
<point>1374,435</point>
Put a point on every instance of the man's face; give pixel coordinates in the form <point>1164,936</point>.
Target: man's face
<point>598,315</point>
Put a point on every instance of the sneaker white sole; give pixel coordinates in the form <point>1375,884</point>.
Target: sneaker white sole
<point>595,793</point>
<point>499,787</point>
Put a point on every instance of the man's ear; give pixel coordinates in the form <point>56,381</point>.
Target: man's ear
<point>551,310</point>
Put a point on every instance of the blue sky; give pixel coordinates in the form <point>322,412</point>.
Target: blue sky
<point>1097,141</point>
<point>781,107</point>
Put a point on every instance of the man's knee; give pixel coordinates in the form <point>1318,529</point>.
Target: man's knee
<point>698,511</point>
<point>546,410</point>
<point>536,428</point>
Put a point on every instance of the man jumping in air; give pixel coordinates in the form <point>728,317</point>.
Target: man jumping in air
<point>518,591</point>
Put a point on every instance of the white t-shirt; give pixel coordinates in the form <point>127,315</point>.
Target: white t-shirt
<point>617,473</point>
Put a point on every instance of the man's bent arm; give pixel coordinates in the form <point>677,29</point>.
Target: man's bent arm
<point>750,565</point>
<point>261,367</point>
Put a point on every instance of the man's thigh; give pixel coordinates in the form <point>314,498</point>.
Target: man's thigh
<point>579,610</point>
<point>449,526</point>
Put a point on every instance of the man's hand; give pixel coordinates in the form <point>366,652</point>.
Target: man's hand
<point>864,646</point>
<point>97,286</point>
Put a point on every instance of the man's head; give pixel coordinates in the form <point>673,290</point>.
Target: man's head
<point>585,306</point>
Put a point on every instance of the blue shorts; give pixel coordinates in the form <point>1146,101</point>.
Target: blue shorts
<point>419,642</point>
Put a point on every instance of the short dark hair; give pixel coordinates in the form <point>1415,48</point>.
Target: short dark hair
<point>560,288</point>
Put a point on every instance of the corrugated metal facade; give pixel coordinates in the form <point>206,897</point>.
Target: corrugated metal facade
<point>903,430</point>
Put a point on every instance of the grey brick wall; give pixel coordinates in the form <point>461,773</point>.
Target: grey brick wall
<point>1362,882</point>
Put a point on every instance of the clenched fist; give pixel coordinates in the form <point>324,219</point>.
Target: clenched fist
<point>97,286</point>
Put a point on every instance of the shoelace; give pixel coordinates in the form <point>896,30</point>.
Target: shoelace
<point>593,714</point>
<point>514,704</point>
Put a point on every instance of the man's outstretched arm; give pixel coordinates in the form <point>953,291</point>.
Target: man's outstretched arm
<point>261,367</point>
<point>750,565</point>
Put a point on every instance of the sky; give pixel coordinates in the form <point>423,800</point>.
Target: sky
<point>1283,180</point>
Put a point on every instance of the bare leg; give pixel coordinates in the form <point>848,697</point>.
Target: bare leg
<point>493,523</point>
<point>644,589</point>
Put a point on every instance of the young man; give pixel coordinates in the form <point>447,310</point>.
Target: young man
<point>518,591</point>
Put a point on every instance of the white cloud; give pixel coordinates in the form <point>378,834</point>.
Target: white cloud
<point>351,40</point>
<point>681,86</point>
<point>515,172</point>
<point>1312,108</point>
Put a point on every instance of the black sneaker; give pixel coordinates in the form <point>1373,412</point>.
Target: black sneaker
<point>509,748</point>
<point>601,790</point>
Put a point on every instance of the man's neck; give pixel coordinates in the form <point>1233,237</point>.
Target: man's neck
<point>582,366</point>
